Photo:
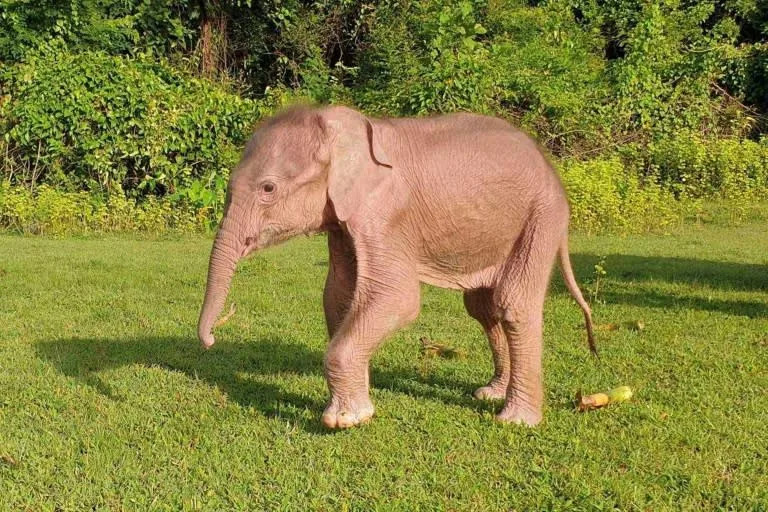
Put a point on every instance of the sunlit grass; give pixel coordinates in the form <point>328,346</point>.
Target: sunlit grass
<point>106,400</point>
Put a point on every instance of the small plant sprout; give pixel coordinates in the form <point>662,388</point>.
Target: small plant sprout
<point>599,274</point>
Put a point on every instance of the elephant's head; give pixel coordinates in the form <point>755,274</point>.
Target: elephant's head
<point>301,172</point>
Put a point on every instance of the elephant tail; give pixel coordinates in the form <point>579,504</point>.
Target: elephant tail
<point>573,288</point>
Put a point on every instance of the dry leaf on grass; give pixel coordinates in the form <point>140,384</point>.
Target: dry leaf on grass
<point>432,349</point>
<point>7,459</point>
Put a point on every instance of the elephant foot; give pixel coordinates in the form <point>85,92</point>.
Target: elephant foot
<point>519,415</point>
<point>348,413</point>
<point>494,390</point>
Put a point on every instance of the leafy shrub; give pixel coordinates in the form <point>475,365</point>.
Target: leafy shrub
<point>457,72</point>
<point>94,122</point>
<point>115,26</point>
<point>50,211</point>
<point>604,195</point>
<point>691,165</point>
<point>552,77</point>
<point>426,56</point>
<point>93,98</point>
<point>547,68</point>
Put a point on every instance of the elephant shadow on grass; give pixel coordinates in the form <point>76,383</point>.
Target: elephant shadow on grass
<point>223,366</point>
<point>632,273</point>
<point>85,359</point>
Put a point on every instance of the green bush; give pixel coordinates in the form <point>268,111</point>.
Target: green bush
<point>426,56</point>
<point>691,165</point>
<point>645,103</point>
<point>551,76</point>
<point>50,211</point>
<point>94,122</point>
<point>606,196</point>
<point>115,26</point>
<point>546,67</point>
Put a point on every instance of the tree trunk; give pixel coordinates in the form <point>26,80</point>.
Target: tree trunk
<point>213,38</point>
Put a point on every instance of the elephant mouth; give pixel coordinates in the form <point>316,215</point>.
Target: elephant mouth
<point>267,237</point>
<point>251,244</point>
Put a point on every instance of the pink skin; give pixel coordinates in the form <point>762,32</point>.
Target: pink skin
<point>459,201</point>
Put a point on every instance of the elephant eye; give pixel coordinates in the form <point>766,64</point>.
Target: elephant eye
<point>268,187</point>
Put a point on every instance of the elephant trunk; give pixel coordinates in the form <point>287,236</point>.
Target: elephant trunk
<point>225,254</point>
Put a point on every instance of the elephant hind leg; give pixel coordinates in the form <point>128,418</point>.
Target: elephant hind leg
<point>520,296</point>
<point>479,305</point>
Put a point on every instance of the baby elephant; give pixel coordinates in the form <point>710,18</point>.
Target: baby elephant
<point>458,201</point>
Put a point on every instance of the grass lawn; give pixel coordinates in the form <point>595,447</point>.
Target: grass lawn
<point>106,401</point>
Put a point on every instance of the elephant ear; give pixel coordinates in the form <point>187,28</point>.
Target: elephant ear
<point>357,160</point>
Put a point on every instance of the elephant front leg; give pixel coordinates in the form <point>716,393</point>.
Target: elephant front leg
<point>375,313</point>
<point>340,282</point>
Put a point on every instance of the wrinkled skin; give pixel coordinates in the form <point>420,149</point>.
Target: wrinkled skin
<point>459,201</point>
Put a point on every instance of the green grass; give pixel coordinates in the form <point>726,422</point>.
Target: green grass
<point>106,401</point>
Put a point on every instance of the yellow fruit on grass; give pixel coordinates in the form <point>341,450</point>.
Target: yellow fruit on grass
<point>596,400</point>
<point>620,394</point>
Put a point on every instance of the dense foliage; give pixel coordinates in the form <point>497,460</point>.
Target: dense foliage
<point>94,121</point>
<point>642,102</point>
